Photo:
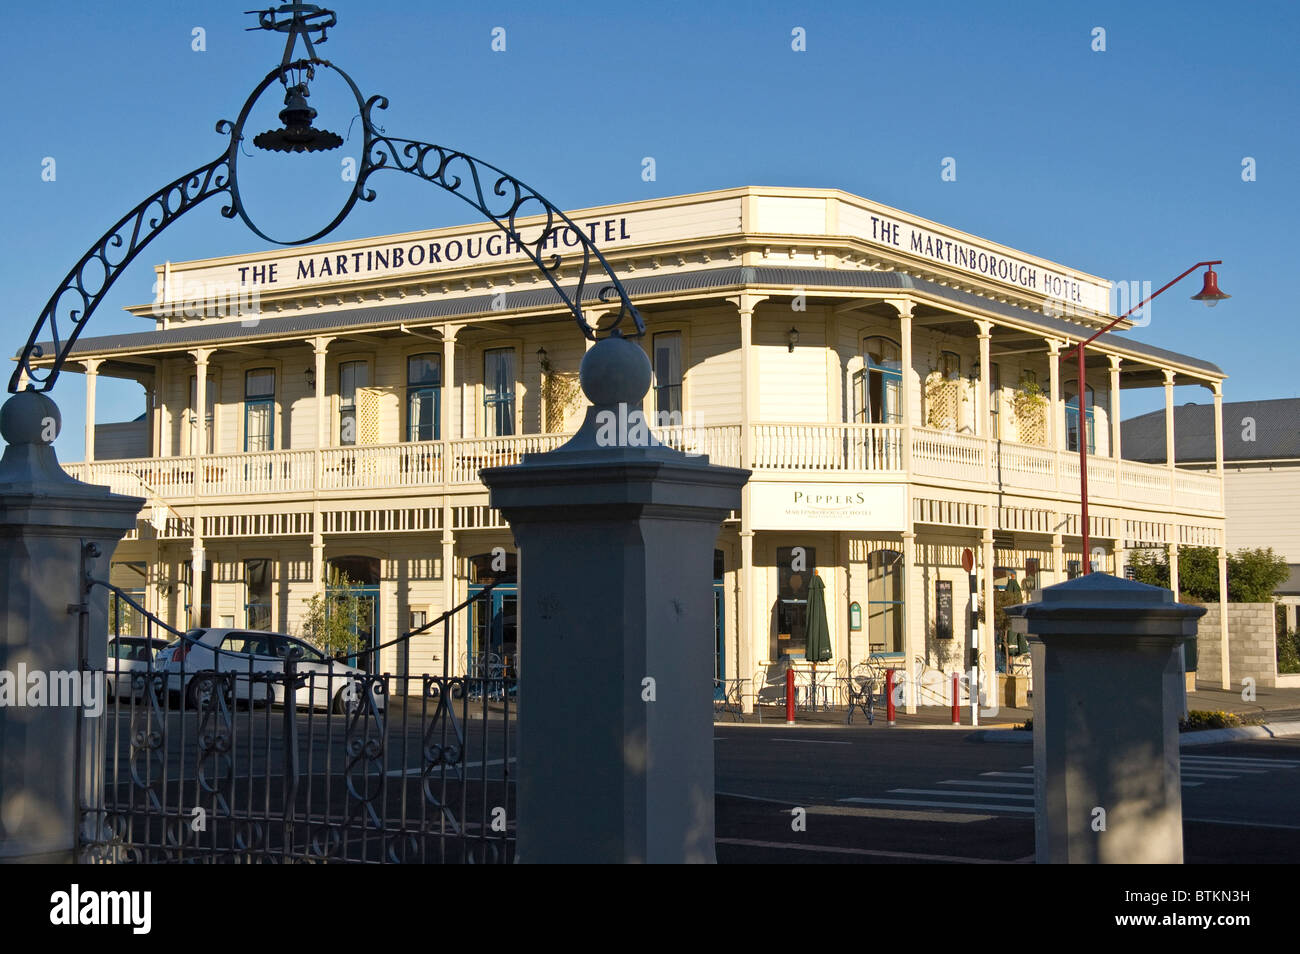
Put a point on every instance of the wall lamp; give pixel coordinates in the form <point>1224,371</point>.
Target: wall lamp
<point>792,337</point>
<point>310,376</point>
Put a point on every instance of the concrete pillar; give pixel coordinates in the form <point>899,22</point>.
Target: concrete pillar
<point>1058,558</point>
<point>92,376</point>
<point>1107,699</point>
<point>616,537</point>
<point>52,530</point>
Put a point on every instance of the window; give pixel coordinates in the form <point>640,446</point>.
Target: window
<point>257,605</point>
<point>1072,419</point>
<point>885,601</point>
<point>423,397</point>
<point>259,410</point>
<point>792,598</point>
<point>950,365</point>
<point>878,387</point>
<point>1028,379</point>
<point>210,399</point>
<point>499,392</point>
<point>668,377</point>
<point>352,375</point>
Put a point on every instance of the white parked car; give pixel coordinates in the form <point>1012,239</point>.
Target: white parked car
<point>331,684</point>
<point>128,655</point>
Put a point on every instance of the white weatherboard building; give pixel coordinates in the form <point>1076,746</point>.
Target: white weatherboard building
<point>895,386</point>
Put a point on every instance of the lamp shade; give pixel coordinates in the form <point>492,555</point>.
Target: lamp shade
<point>1209,292</point>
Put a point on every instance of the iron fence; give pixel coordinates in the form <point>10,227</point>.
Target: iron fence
<point>218,745</point>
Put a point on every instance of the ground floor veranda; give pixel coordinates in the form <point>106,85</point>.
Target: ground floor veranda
<point>903,595</point>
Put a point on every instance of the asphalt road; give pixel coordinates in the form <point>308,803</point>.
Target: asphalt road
<point>883,795</point>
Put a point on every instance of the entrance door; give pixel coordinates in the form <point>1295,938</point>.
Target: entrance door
<point>362,576</point>
<point>493,627</point>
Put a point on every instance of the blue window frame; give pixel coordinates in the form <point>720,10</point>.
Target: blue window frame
<point>499,392</point>
<point>259,410</point>
<point>1072,420</point>
<point>424,397</point>
<point>879,385</point>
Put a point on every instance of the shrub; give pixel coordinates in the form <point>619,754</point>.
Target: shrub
<point>1288,651</point>
<point>1199,719</point>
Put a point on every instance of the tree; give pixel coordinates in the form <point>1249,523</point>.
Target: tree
<point>332,622</point>
<point>1253,575</point>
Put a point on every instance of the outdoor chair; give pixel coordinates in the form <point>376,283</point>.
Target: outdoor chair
<point>727,698</point>
<point>769,687</point>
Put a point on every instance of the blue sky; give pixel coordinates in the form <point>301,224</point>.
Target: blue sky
<point>1125,163</point>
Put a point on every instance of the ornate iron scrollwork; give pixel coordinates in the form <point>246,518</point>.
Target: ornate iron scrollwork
<point>500,197</point>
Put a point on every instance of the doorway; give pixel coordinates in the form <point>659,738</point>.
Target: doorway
<point>362,573</point>
<point>493,638</point>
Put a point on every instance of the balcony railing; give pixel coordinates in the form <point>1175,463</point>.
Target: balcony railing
<point>780,451</point>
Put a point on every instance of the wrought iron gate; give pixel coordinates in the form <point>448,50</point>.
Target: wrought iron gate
<point>238,746</point>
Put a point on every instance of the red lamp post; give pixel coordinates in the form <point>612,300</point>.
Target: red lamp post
<point>1209,294</point>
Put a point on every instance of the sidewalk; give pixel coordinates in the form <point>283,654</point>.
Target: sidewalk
<point>1273,705</point>
<point>1276,704</point>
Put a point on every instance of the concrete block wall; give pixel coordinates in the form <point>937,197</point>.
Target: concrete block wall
<point>1252,645</point>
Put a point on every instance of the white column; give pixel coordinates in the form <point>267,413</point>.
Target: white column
<point>1054,406</point>
<point>746,609</point>
<point>1116,450</point>
<point>1174,535</point>
<point>988,671</point>
<point>200,409</point>
<point>1218,440</point>
<point>1223,619</point>
<point>913,635</point>
<point>908,388</point>
<point>92,375</point>
<point>446,434</point>
<point>982,428</point>
<point>1169,418</point>
<point>1058,556</point>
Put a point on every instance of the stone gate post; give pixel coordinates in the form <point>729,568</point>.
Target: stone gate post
<point>616,535</point>
<point>1107,700</point>
<point>50,524</point>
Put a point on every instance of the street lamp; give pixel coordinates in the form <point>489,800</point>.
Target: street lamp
<point>1209,294</point>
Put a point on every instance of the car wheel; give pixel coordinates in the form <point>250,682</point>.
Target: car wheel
<point>194,693</point>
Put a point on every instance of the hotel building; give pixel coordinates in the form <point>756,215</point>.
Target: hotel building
<point>896,386</point>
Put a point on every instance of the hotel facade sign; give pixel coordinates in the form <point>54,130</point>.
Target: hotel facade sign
<point>828,506</point>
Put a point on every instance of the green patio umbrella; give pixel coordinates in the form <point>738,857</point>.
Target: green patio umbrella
<point>819,634</point>
<point>1021,644</point>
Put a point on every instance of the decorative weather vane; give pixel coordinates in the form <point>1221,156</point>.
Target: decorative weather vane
<point>500,197</point>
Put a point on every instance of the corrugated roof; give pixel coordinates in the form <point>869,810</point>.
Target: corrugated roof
<point>291,325</point>
<point>1252,430</point>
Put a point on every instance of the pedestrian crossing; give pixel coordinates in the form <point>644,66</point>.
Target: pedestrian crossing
<point>1012,793</point>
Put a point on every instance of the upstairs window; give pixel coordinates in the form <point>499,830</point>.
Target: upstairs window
<point>499,392</point>
<point>352,375</point>
<point>1072,419</point>
<point>259,410</point>
<point>423,397</point>
<point>668,377</point>
<point>878,387</point>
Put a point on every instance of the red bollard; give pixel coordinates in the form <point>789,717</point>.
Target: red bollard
<point>956,699</point>
<point>789,696</point>
<point>889,696</point>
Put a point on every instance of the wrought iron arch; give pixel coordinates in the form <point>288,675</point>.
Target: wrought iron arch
<point>498,196</point>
